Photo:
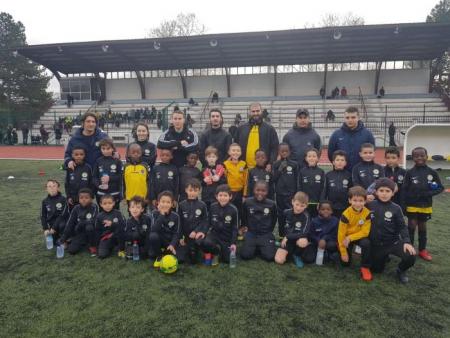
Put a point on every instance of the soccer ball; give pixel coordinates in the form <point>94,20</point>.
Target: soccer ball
<point>169,264</point>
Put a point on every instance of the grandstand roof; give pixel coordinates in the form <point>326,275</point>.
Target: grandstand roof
<point>389,42</point>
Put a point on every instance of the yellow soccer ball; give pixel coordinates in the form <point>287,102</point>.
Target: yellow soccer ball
<point>169,264</point>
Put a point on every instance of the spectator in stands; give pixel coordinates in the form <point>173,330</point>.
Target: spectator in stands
<point>25,132</point>
<point>265,115</point>
<point>2,133</point>
<point>57,128</point>
<point>330,116</point>
<point>257,134</point>
<point>192,102</point>
<point>179,138</point>
<point>302,137</point>
<point>215,97</point>
<point>9,138</point>
<point>349,137</point>
<point>15,137</point>
<point>335,93</point>
<point>322,92</point>
<point>237,120</point>
<point>392,135</point>
<point>215,136</point>
<point>381,92</point>
<point>189,120</point>
<point>159,120</point>
<point>152,114</point>
<point>88,137</point>
<point>44,134</point>
<point>343,92</point>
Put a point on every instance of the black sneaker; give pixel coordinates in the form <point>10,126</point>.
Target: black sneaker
<point>402,277</point>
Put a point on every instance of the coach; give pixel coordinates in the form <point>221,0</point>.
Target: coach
<point>350,137</point>
<point>179,138</point>
<point>256,134</point>
<point>88,137</point>
<point>302,137</point>
<point>215,136</point>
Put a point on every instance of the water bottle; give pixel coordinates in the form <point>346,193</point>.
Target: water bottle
<point>49,241</point>
<point>233,260</point>
<point>60,251</point>
<point>135,251</point>
<point>319,256</point>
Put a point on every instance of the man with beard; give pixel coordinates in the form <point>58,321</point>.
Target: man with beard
<point>215,136</point>
<point>256,134</point>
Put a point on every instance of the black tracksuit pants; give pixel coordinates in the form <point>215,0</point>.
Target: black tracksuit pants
<point>262,244</point>
<point>284,202</point>
<point>380,254</point>
<point>81,239</point>
<point>213,244</point>
<point>189,251</point>
<point>364,243</point>
<point>157,246</point>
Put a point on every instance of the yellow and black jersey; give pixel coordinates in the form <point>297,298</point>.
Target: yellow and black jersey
<point>135,180</point>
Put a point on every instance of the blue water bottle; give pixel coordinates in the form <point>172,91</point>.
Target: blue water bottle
<point>135,251</point>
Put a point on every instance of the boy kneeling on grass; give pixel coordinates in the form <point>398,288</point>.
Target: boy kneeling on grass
<point>354,228</point>
<point>389,233</point>
<point>296,229</point>
<point>80,228</point>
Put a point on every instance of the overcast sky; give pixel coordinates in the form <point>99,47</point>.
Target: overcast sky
<point>49,21</point>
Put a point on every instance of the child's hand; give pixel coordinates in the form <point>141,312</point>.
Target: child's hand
<point>46,232</point>
<point>344,258</point>
<point>71,165</point>
<point>322,244</point>
<point>302,242</point>
<point>233,247</point>
<point>208,180</point>
<point>346,241</point>
<point>155,203</point>
<point>105,179</point>
<point>199,235</point>
<point>284,242</point>
<point>107,223</point>
<point>409,248</point>
<point>171,248</point>
<point>192,235</point>
<point>184,143</point>
<point>370,198</point>
<point>268,167</point>
<point>70,201</point>
<point>182,242</point>
<point>215,178</point>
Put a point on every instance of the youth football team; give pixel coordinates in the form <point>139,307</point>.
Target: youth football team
<point>195,214</point>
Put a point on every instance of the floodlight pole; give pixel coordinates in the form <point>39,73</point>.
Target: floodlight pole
<point>275,87</point>
<point>377,76</point>
<point>227,74</point>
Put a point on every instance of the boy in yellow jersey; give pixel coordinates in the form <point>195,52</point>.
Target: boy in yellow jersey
<point>354,228</point>
<point>236,172</point>
<point>135,174</point>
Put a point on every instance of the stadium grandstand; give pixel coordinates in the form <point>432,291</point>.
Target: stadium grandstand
<point>385,69</point>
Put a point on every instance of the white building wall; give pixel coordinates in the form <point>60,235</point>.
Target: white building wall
<point>201,86</point>
<point>294,84</point>
<point>122,89</point>
<point>163,88</point>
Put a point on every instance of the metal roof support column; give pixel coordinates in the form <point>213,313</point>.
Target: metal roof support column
<point>183,84</point>
<point>141,84</point>
<point>431,80</point>
<point>227,74</point>
<point>325,73</point>
<point>377,77</point>
<point>275,88</point>
<point>101,83</point>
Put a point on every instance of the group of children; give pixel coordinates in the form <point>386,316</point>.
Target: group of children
<point>193,213</point>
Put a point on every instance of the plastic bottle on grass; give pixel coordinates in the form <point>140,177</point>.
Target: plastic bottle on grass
<point>49,241</point>
<point>60,251</point>
<point>135,251</point>
<point>319,256</point>
<point>233,260</point>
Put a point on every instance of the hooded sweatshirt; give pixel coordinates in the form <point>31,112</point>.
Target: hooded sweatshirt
<point>300,140</point>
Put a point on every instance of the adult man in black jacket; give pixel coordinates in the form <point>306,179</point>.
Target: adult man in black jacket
<point>268,138</point>
<point>215,136</point>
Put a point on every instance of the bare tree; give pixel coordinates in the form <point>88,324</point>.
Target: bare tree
<point>183,25</point>
<point>348,19</point>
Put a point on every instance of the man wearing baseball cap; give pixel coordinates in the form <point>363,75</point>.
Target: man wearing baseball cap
<point>302,137</point>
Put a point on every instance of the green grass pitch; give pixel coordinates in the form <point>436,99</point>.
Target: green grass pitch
<point>81,296</point>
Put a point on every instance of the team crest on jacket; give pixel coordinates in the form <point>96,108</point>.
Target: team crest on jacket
<point>266,211</point>
<point>84,175</point>
<point>58,206</point>
<point>171,224</point>
<point>376,171</point>
<point>228,218</point>
<point>400,178</point>
<point>361,222</point>
<point>147,152</point>
<point>113,167</point>
<point>198,212</point>
<point>267,178</point>
<point>97,143</point>
<point>430,178</point>
<point>144,227</point>
<point>289,169</point>
<point>345,183</point>
<point>241,169</point>
<point>388,214</point>
<point>88,216</point>
<point>298,225</point>
<point>115,220</point>
<point>170,174</point>
<point>317,177</point>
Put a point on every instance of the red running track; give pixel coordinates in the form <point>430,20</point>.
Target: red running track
<point>57,153</point>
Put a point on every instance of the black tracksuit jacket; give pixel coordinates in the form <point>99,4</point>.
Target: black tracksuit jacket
<point>259,216</point>
<point>224,222</point>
